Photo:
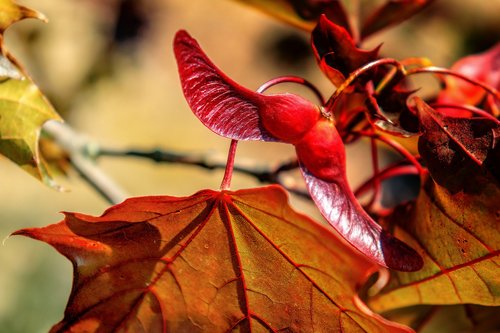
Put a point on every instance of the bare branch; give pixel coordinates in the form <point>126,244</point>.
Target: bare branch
<point>209,161</point>
<point>78,147</point>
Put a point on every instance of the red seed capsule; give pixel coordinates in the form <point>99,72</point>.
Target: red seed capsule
<point>288,117</point>
<point>322,151</point>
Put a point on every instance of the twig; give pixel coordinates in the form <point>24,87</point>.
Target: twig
<point>78,147</point>
<point>83,152</point>
<point>263,173</point>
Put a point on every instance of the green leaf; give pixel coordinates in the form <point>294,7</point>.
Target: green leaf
<point>23,108</point>
<point>303,14</point>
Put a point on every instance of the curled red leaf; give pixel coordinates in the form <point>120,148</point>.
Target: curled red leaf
<point>336,51</point>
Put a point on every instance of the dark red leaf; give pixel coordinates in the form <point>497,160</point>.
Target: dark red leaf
<point>391,13</point>
<point>336,51</point>
<point>455,148</point>
<point>233,111</point>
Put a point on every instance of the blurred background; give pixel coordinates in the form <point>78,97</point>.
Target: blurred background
<point>108,68</point>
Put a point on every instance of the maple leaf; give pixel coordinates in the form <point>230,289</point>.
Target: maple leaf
<point>212,262</point>
<point>23,108</point>
<point>458,236</point>
<point>235,112</point>
<point>336,51</point>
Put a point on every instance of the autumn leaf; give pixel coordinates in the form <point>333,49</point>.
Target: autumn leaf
<point>211,262</point>
<point>304,13</point>
<point>458,236</point>
<point>468,318</point>
<point>336,51</point>
<point>237,113</point>
<point>23,108</point>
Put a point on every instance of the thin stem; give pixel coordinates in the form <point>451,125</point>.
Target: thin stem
<point>376,182</point>
<point>397,147</point>
<point>444,71</point>
<point>470,108</point>
<point>357,73</point>
<point>228,174</point>
<point>77,147</point>
<point>292,79</point>
<point>391,171</point>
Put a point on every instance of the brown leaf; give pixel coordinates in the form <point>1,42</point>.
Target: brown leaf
<point>336,51</point>
<point>455,149</point>
<point>212,262</point>
<point>458,236</point>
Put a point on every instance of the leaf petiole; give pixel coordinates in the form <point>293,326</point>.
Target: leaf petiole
<point>228,173</point>
<point>443,71</point>
<point>357,73</point>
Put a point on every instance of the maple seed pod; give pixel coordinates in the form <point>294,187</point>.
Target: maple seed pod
<point>288,117</point>
<point>233,111</point>
<point>322,151</point>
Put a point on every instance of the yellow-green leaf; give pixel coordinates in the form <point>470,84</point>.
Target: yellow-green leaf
<point>466,318</point>
<point>23,108</point>
<point>10,13</point>
<point>303,14</point>
<point>458,236</point>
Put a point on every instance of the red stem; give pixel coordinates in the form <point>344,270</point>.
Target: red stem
<point>357,73</point>
<point>444,71</point>
<point>389,172</point>
<point>397,147</point>
<point>469,108</point>
<point>292,79</point>
<point>376,171</point>
<point>228,174</point>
